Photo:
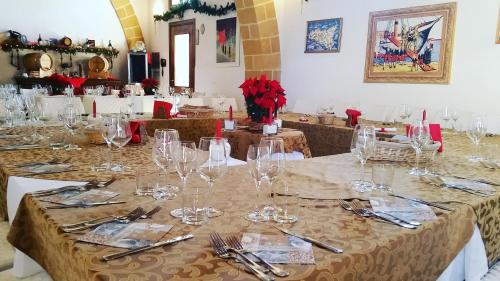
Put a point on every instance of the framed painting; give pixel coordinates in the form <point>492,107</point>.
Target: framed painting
<point>323,36</point>
<point>411,45</point>
<point>227,42</point>
<point>497,40</point>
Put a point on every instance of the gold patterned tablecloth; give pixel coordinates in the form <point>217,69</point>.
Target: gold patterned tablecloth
<point>241,139</point>
<point>373,250</point>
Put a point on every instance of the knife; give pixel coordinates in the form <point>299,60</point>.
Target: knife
<point>147,247</point>
<point>423,202</point>
<point>477,180</point>
<point>84,205</point>
<point>312,240</point>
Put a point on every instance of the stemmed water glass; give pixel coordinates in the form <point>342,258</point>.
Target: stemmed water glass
<point>108,127</point>
<point>405,112</point>
<point>445,116</point>
<point>212,160</point>
<point>455,115</point>
<point>475,132</point>
<point>257,161</point>
<point>162,157</point>
<point>363,146</point>
<point>273,169</point>
<point>419,137</point>
<point>71,123</point>
<point>122,137</point>
<point>184,156</point>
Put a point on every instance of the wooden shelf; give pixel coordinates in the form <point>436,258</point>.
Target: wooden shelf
<point>9,46</point>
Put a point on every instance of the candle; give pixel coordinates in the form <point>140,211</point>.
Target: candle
<point>424,115</point>
<point>270,119</point>
<point>218,128</point>
<point>94,109</point>
<point>230,113</point>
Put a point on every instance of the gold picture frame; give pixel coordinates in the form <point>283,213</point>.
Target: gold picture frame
<point>497,39</point>
<point>411,45</point>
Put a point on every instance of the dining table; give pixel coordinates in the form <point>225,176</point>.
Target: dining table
<point>372,250</point>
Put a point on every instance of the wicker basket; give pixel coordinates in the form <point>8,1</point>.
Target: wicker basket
<point>94,136</point>
<point>389,150</point>
<point>192,111</point>
<point>326,119</point>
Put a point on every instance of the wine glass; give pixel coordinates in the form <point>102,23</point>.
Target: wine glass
<point>363,146</point>
<point>212,162</point>
<point>107,128</point>
<point>273,169</point>
<point>475,132</point>
<point>419,138</point>
<point>122,137</point>
<point>71,123</point>
<point>405,112</point>
<point>257,161</point>
<point>162,157</point>
<point>445,116</point>
<point>455,115</point>
<point>184,157</point>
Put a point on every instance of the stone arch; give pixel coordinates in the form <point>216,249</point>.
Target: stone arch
<point>128,19</point>
<point>260,37</point>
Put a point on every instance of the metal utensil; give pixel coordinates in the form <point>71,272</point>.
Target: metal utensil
<point>47,172</point>
<point>130,217</point>
<point>380,215</point>
<point>150,214</point>
<point>423,202</point>
<point>221,250</point>
<point>311,240</point>
<point>357,205</point>
<point>83,205</point>
<point>148,247</point>
<point>90,185</point>
<point>235,243</point>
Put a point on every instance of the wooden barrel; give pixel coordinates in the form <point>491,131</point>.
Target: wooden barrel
<point>98,64</point>
<point>37,61</point>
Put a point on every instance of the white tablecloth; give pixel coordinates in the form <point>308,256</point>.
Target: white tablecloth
<point>470,264</point>
<point>57,104</point>
<point>113,104</point>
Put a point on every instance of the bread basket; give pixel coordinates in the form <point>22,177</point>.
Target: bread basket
<point>392,150</point>
<point>326,119</point>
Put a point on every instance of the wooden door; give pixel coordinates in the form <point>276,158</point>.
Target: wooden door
<point>182,54</point>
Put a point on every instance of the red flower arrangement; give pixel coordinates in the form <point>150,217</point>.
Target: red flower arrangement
<point>262,95</point>
<point>150,85</point>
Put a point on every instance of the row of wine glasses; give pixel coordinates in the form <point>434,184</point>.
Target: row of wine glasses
<point>115,129</point>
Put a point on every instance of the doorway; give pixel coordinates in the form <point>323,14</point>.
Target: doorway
<point>182,54</point>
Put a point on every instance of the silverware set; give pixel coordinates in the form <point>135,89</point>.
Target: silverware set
<point>440,182</point>
<point>137,213</point>
<point>85,187</point>
<point>359,210</point>
<point>50,162</point>
<point>19,147</point>
<point>432,204</point>
<point>224,250</point>
<point>60,205</point>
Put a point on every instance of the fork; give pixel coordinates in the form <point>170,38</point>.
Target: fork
<point>150,214</point>
<point>91,184</point>
<point>132,216</point>
<point>222,251</point>
<point>369,213</point>
<point>357,205</point>
<point>235,243</point>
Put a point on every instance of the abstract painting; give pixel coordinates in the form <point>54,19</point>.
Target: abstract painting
<point>323,36</point>
<point>411,45</point>
<point>227,41</point>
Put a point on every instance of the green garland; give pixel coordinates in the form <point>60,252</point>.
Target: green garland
<point>197,7</point>
<point>7,47</point>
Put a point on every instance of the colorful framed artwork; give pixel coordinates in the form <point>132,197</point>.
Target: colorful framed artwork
<point>411,45</point>
<point>227,42</point>
<point>323,36</point>
<point>497,40</point>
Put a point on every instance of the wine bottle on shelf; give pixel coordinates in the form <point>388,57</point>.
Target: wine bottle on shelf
<point>39,39</point>
<point>109,45</point>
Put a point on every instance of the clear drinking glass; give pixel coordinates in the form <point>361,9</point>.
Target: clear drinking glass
<point>145,182</point>
<point>122,137</point>
<point>286,199</point>
<point>420,137</point>
<point>273,169</point>
<point>107,126</point>
<point>405,112</point>
<point>455,115</point>
<point>382,176</point>
<point>194,205</point>
<point>162,157</point>
<point>475,132</point>
<point>257,161</point>
<point>212,162</point>
<point>445,116</point>
<point>71,123</point>
<point>363,146</point>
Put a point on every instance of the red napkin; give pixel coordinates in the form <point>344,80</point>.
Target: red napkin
<point>435,131</point>
<point>161,110</point>
<point>135,127</point>
<point>353,115</point>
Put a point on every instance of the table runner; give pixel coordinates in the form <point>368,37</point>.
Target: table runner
<point>373,250</point>
<point>241,139</point>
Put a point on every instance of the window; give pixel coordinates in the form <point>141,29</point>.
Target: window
<point>175,2</point>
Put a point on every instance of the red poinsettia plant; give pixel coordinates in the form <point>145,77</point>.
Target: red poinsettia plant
<point>150,85</point>
<point>261,96</point>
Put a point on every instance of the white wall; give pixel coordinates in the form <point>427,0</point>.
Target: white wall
<point>210,77</point>
<point>338,78</point>
<point>94,19</point>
